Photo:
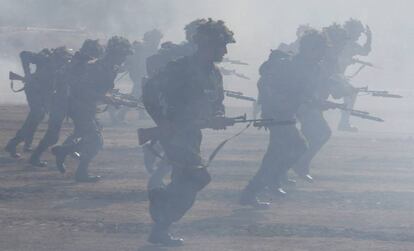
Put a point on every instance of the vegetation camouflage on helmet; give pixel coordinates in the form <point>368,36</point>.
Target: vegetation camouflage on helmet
<point>92,48</point>
<point>312,39</point>
<point>152,35</point>
<point>118,45</point>
<point>335,35</point>
<point>354,26</point>
<point>191,28</point>
<point>213,32</point>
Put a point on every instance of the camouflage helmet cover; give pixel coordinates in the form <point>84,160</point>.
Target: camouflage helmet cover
<point>335,35</point>
<point>312,39</point>
<point>191,28</point>
<point>354,26</point>
<point>152,35</point>
<point>92,48</point>
<point>215,32</point>
<point>119,45</point>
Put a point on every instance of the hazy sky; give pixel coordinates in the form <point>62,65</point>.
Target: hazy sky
<point>259,26</point>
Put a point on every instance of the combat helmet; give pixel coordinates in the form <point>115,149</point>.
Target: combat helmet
<point>92,48</point>
<point>213,32</point>
<point>354,27</point>
<point>152,35</point>
<point>118,45</point>
<point>61,54</point>
<point>335,35</point>
<point>311,41</point>
<point>191,28</point>
<point>302,29</point>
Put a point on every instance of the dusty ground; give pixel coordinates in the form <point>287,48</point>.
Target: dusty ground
<point>363,198</point>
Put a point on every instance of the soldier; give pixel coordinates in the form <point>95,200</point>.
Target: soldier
<point>313,124</point>
<point>90,49</point>
<point>135,65</point>
<point>190,92</point>
<point>293,48</point>
<point>94,83</point>
<point>354,29</point>
<point>39,87</point>
<point>286,82</point>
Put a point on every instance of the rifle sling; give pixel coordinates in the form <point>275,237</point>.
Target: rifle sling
<point>212,155</point>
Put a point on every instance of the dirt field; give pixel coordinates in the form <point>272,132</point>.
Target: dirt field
<point>363,198</point>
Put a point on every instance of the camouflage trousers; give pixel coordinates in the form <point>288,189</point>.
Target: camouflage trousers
<point>317,132</point>
<point>286,146</point>
<point>57,115</point>
<point>87,137</point>
<point>37,102</point>
<point>169,204</point>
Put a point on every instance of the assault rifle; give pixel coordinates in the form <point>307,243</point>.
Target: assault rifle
<point>384,94</point>
<point>15,76</point>
<point>352,112</point>
<point>231,61</point>
<point>122,99</point>
<point>155,133</point>
<point>238,95</point>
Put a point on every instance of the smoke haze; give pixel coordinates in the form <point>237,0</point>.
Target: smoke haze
<point>259,26</point>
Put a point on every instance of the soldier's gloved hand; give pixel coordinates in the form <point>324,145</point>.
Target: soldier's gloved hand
<point>219,123</point>
<point>110,101</point>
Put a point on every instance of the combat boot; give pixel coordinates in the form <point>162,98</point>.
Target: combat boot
<point>83,176</point>
<point>347,127</point>
<point>35,159</point>
<point>60,154</point>
<point>159,235</point>
<point>248,198</point>
<point>11,149</point>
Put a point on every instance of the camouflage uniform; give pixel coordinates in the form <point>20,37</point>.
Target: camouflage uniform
<point>39,88</point>
<point>190,91</point>
<point>135,65</point>
<point>59,108</point>
<point>285,84</point>
<point>314,127</point>
<point>95,81</point>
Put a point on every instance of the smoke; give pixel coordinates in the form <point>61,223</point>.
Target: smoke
<point>259,26</point>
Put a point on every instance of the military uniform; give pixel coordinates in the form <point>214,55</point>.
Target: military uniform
<point>67,76</point>
<point>96,80</point>
<point>190,95</point>
<point>286,83</point>
<point>39,88</point>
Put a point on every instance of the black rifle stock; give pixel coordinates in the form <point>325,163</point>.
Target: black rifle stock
<point>15,76</point>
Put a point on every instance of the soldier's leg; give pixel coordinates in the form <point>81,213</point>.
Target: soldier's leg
<point>286,145</point>
<point>169,204</point>
<point>317,132</point>
<point>51,136</point>
<point>36,114</point>
<point>90,144</point>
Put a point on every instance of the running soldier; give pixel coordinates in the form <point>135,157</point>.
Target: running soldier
<point>286,83</point>
<point>190,92</point>
<point>39,88</point>
<point>90,49</point>
<point>91,89</point>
